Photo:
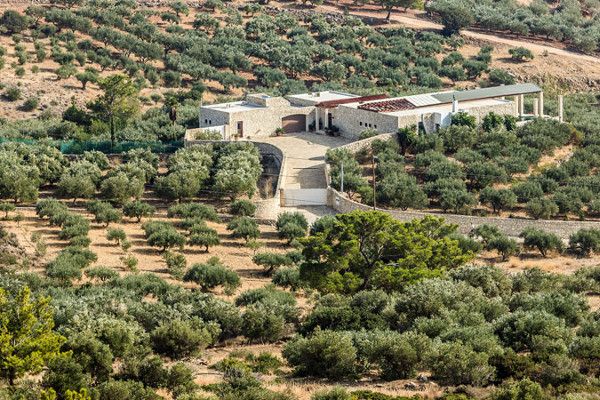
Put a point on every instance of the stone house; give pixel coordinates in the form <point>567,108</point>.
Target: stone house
<point>261,115</point>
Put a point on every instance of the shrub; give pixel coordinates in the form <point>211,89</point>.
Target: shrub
<point>540,240</point>
<point>130,262</point>
<point>325,354</point>
<point>30,104</point>
<point>536,331</point>
<point>6,208</point>
<point>176,264</point>
<point>102,273</point>
<point>171,78</point>
<point>242,208</point>
<point>281,302</point>
<point>212,274</point>
<point>541,208</point>
<point>69,263</point>
<point>12,93</point>
<point>262,324</point>
<point>498,77</point>
<point>336,393</point>
<point>287,278</point>
<point>458,364</point>
<point>123,389</point>
<point>585,241</point>
<point>520,54</point>
<point>177,338</point>
<point>13,22</point>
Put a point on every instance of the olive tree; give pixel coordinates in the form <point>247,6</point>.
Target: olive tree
<point>499,199</point>
<point>138,209</point>
<point>212,274</point>
<point>244,227</point>
<point>541,240</point>
<point>291,225</point>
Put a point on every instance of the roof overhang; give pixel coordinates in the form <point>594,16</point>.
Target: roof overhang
<point>335,103</point>
<point>487,93</point>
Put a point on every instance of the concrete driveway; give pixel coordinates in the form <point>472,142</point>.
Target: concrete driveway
<point>305,165</point>
<point>305,157</point>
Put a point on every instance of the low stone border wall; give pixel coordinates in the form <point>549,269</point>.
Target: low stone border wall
<point>358,145</point>
<point>510,226</point>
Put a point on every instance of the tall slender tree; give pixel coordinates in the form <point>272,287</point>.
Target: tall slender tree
<point>117,104</point>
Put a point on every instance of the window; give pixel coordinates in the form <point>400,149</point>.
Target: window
<point>361,123</point>
<point>210,121</point>
<point>375,126</point>
<point>206,121</point>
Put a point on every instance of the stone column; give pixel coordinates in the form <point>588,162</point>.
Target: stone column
<point>516,105</point>
<point>521,105</point>
<point>541,104</point>
<point>536,107</point>
<point>561,109</point>
<point>306,122</point>
<point>326,119</point>
<point>317,128</point>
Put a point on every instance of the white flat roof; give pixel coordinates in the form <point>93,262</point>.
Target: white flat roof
<point>319,97</point>
<point>234,106</point>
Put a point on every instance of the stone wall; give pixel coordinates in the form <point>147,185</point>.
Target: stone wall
<point>258,122</point>
<point>508,108</point>
<point>355,147</point>
<point>349,119</point>
<point>510,226</point>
